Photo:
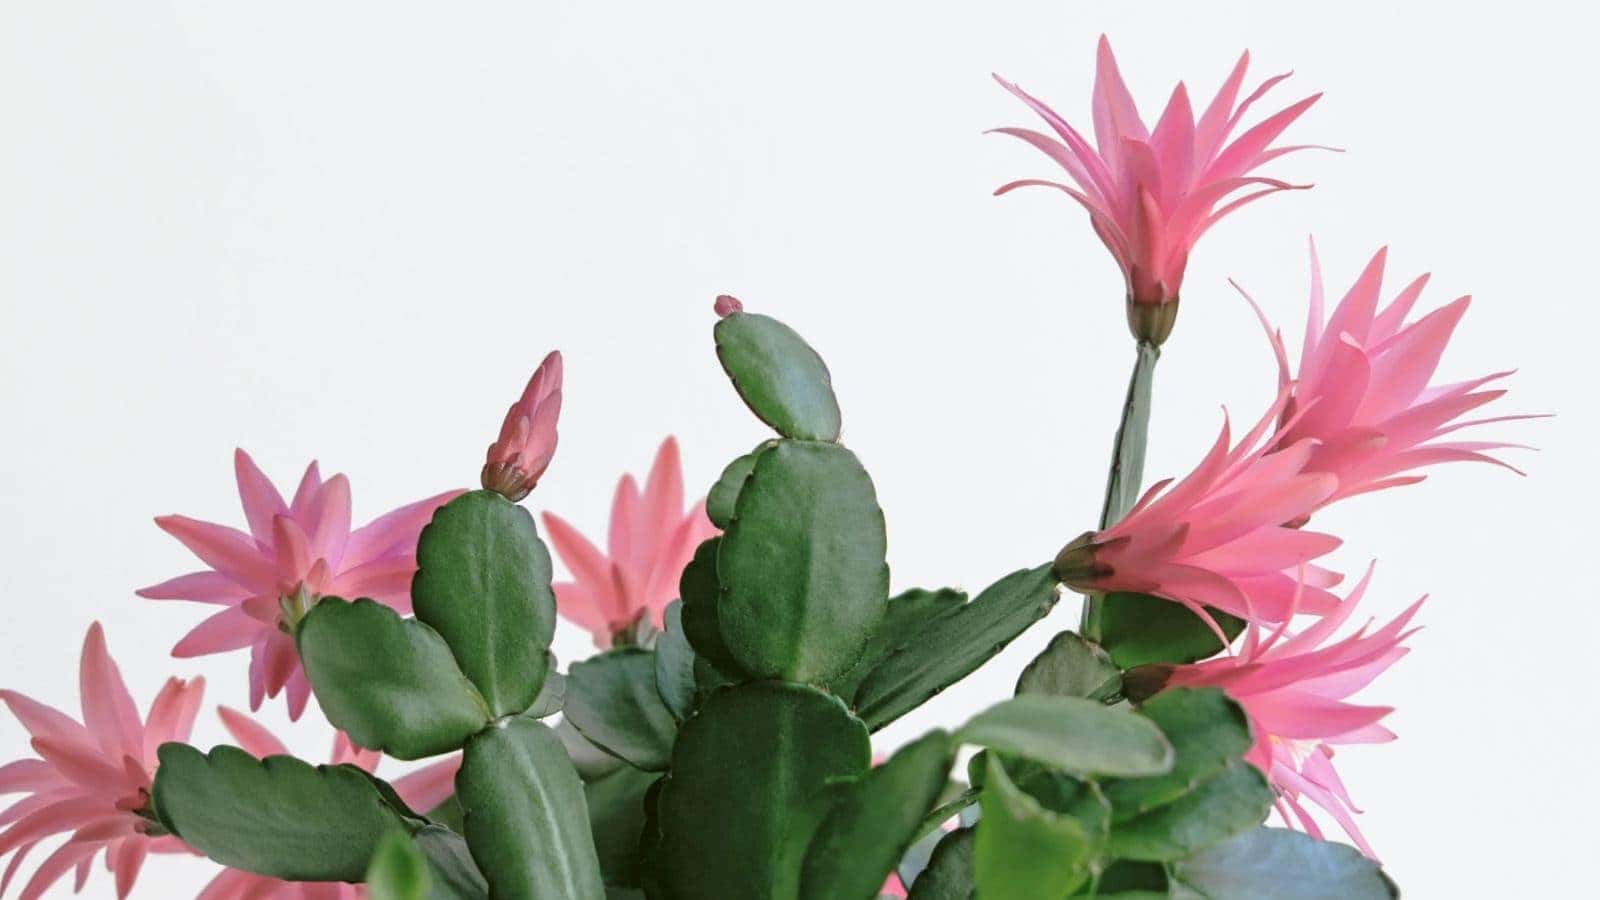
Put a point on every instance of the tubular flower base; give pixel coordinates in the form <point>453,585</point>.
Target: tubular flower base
<point>92,780</point>
<point>1295,689</point>
<point>527,440</point>
<point>651,540</point>
<point>1151,193</point>
<point>422,790</point>
<point>302,549</point>
<point>1363,386</point>
<point>1219,537</point>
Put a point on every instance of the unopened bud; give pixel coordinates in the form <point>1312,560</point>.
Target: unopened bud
<point>1151,323</point>
<point>727,305</point>
<point>1140,683</point>
<point>1075,565</point>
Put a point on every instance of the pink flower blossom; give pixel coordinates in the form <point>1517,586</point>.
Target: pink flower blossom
<point>92,780</point>
<point>894,887</point>
<point>1152,192</point>
<point>1295,691</point>
<point>527,440</point>
<point>302,548</point>
<point>422,790</point>
<point>651,539</point>
<point>1364,387</point>
<point>1218,538</point>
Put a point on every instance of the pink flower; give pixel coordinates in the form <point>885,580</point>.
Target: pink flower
<point>1152,192</point>
<point>92,780</point>
<point>893,887</point>
<point>726,305</point>
<point>299,551</point>
<point>1295,691</point>
<point>422,790</point>
<point>1363,389</point>
<point>651,540</point>
<point>1218,538</point>
<point>527,439</point>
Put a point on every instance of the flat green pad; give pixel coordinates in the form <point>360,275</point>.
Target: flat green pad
<point>953,645</point>
<point>875,819</point>
<point>746,789</point>
<point>1083,737</point>
<point>390,683</point>
<point>802,570</point>
<point>276,816</point>
<point>526,820</point>
<point>483,583</point>
<point>783,381</point>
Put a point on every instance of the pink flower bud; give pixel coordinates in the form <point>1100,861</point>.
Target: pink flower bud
<point>527,439</point>
<point>727,305</point>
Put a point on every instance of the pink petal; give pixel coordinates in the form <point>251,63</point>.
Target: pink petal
<point>108,709</point>
<point>261,501</point>
<point>251,736</point>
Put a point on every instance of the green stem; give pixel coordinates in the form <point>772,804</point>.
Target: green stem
<point>1127,461</point>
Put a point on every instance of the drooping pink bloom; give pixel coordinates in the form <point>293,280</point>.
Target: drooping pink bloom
<point>1151,192</point>
<point>527,440</point>
<point>1218,537</point>
<point>422,790</point>
<point>305,547</point>
<point>1363,389</point>
<point>92,780</point>
<point>651,539</point>
<point>1295,691</point>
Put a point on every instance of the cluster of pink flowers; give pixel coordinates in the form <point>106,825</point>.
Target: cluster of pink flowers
<point>91,780</point>
<point>1360,413</point>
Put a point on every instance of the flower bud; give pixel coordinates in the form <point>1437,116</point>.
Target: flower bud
<point>1151,323</point>
<point>727,305</point>
<point>1075,565</point>
<point>527,439</point>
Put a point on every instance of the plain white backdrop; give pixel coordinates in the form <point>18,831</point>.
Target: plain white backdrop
<point>348,231</point>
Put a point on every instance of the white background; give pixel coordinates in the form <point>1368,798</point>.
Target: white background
<point>348,231</point>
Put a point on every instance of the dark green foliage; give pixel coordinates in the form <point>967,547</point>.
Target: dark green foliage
<point>526,820</point>
<point>949,875</point>
<point>802,567</point>
<point>874,819</point>
<point>745,793</point>
<point>1071,667</point>
<point>953,645</point>
<point>675,681</point>
<point>616,803</point>
<point>1137,629</point>
<point>904,619</point>
<point>612,699</point>
<point>1072,734</point>
<point>724,495</point>
<point>1228,803</point>
<point>1207,731</point>
<point>783,381</point>
<point>390,683</point>
<point>277,816</point>
<point>483,583</point>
